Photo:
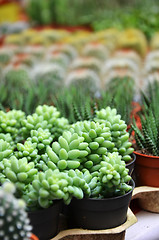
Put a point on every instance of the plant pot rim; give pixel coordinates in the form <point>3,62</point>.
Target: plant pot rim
<point>132,160</point>
<point>145,155</point>
<point>111,198</point>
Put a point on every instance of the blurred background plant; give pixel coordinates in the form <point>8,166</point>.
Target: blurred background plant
<point>100,14</point>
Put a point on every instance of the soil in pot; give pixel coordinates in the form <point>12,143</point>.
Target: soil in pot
<point>96,214</point>
<point>45,221</point>
<point>147,170</point>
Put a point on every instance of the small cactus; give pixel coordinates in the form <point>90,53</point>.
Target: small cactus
<point>14,223</point>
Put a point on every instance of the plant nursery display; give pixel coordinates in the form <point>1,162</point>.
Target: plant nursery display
<point>79,116</point>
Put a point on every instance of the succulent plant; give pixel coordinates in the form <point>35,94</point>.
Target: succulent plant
<point>147,138</point>
<point>52,185</point>
<point>8,138</point>
<point>56,124</point>
<point>33,122</point>
<point>119,135</point>
<point>5,149</point>
<point>10,122</point>
<point>18,171</point>
<point>42,137</point>
<point>14,223</point>
<point>28,150</point>
<point>74,104</point>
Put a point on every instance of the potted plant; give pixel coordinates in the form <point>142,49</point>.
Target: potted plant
<point>46,172</point>
<point>89,148</point>
<point>15,223</point>
<point>146,150</point>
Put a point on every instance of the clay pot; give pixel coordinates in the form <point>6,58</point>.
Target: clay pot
<point>34,237</point>
<point>147,170</point>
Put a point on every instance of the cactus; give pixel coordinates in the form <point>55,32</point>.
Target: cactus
<point>90,63</point>
<point>98,51</point>
<point>51,74</point>
<point>85,79</point>
<point>14,223</point>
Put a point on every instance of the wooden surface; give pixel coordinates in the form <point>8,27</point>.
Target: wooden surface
<point>148,198</point>
<point>117,233</point>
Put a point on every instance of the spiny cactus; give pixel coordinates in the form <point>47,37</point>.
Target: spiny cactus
<point>98,51</point>
<point>14,223</point>
<point>91,63</point>
<point>51,74</point>
<point>17,79</point>
<point>86,79</point>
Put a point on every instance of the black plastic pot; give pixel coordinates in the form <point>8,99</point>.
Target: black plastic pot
<point>130,165</point>
<point>97,214</point>
<point>45,221</point>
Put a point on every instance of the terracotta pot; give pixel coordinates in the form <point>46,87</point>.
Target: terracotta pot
<point>147,170</point>
<point>33,237</point>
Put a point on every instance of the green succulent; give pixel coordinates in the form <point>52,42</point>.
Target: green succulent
<point>28,150</point>
<point>18,171</point>
<point>42,137</point>
<point>113,176</point>
<point>8,138</point>
<point>5,149</point>
<point>51,185</point>
<point>11,122</point>
<point>14,221</point>
<point>147,138</point>
<point>33,122</point>
<point>56,124</point>
<point>119,135</point>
